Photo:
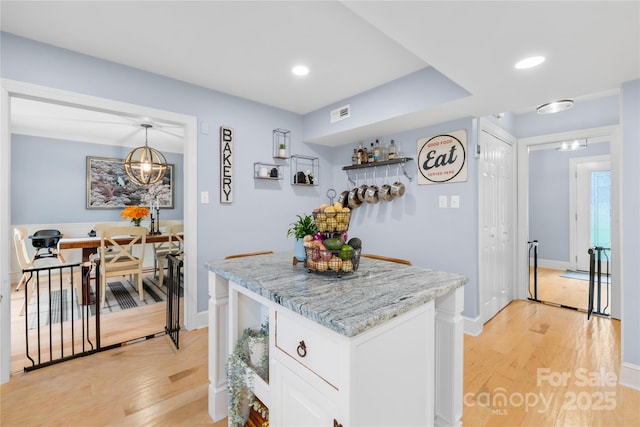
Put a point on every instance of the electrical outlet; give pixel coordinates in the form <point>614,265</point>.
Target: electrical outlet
<point>442,202</point>
<point>455,202</point>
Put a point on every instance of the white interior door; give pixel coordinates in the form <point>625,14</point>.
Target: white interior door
<point>496,224</point>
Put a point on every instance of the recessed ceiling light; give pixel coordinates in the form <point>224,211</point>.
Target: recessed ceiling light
<point>555,106</point>
<point>300,70</point>
<point>530,62</point>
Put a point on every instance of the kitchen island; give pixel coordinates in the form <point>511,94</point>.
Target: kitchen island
<point>379,346</point>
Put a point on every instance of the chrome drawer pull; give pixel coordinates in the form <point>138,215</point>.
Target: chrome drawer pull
<point>302,349</point>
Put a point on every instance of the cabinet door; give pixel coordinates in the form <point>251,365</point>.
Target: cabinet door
<point>298,403</point>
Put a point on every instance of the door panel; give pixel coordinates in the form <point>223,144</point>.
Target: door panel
<point>585,210</point>
<point>496,224</point>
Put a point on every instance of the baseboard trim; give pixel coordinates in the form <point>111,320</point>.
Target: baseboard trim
<point>553,264</point>
<point>472,326</point>
<point>202,319</point>
<point>629,375</point>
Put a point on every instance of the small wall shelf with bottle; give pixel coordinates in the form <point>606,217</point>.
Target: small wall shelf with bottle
<point>381,163</point>
<point>267,171</point>
<point>305,170</point>
<point>281,143</point>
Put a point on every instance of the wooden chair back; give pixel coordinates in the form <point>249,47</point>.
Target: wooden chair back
<point>248,254</point>
<point>385,258</point>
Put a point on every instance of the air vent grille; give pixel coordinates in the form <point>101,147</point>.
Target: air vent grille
<point>340,113</point>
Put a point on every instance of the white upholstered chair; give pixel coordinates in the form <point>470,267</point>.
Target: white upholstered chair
<point>26,262</point>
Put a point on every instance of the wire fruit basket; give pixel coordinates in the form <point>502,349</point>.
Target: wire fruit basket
<point>330,222</point>
<point>330,261</point>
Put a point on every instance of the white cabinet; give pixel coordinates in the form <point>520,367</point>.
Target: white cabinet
<point>381,377</point>
<point>405,370</point>
<point>297,403</point>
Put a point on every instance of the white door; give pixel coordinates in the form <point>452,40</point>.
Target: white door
<point>496,210</point>
<point>593,209</point>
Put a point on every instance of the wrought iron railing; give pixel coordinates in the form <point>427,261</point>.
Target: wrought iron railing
<point>174,286</point>
<point>57,324</point>
<point>599,257</point>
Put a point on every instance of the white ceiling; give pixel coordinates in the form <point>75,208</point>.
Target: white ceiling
<point>248,48</point>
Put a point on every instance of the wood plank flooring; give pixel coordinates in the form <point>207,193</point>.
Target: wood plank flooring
<point>539,365</point>
<point>534,356</point>
<point>565,291</point>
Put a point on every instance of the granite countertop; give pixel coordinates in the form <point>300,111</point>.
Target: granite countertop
<point>351,304</point>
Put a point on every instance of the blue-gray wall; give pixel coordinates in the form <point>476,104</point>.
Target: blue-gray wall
<point>549,198</point>
<point>631,222</point>
<point>52,171</point>
<point>413,227</point>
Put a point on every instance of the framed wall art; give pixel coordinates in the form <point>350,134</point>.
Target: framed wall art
<point>109,186</point>
<point>442,158</point>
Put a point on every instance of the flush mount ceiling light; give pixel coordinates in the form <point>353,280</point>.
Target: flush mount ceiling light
<point>300,70</point>
<point>530,62</point>
<point>575,145</point>
<point>555,106</point>
<point>145,165</point>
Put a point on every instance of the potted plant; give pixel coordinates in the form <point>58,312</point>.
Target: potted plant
<point>240,379</point>
<point>282,150</point>
<point>302,227</point>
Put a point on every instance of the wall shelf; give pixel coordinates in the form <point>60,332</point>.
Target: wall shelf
<point>305,170</point>
<point>267,171</point>
<point>401,160</point>
<point>281,138</point>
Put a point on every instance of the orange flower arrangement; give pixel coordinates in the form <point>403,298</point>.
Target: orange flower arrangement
<point>135,213</point>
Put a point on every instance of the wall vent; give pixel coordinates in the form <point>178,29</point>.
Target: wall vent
<point>340,114</point>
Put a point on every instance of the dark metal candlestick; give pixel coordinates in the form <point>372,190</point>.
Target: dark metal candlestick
<point>154,229</point>
<point>158,220</point>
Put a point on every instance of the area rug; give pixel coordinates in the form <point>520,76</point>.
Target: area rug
<point>575,275</point>
<point>122,295</point>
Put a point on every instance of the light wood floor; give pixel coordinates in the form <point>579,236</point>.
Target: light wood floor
<point>565,365</point>
<point>151,383</point>
<point>117,327</point>
<point>564,291</point>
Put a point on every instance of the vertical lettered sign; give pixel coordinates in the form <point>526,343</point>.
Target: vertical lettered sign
<point>226,164</point>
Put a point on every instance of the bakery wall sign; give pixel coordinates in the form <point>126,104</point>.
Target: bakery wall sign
<point>226,164</point>
<point>442,158</point>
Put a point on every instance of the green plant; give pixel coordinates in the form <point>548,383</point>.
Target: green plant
<point>302,227</point>
<point>282,146</point>
<point>240,379</point>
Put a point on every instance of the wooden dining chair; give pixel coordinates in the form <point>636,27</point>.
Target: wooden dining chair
<point>117,259</point>
<point>174,246</point>
<point>248,254</point>
<point>385,258</point>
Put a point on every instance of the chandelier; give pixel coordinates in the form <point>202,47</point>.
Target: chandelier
<point>145,165</point>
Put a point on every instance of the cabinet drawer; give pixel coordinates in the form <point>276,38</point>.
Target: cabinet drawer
<point>315,350</point>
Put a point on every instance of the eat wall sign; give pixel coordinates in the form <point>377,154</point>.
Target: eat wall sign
<point>443,158</point>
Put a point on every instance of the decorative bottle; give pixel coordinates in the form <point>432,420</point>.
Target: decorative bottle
<point>354,157</point>
<point>376,152</point>
<point>362,154</point>
<point>370,154</point>
<point>392,150</point>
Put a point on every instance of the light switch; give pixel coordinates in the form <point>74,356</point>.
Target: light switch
<point>204,128</point>
<point>455,201</point>
<point>204,197</point>
<point>442,202</point>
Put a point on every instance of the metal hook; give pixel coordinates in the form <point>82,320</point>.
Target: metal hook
<point>331,193</point>
<point>349,178</point>
<point>404,171</point>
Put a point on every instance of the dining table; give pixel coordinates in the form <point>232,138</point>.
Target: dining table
<point>89,246</point>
